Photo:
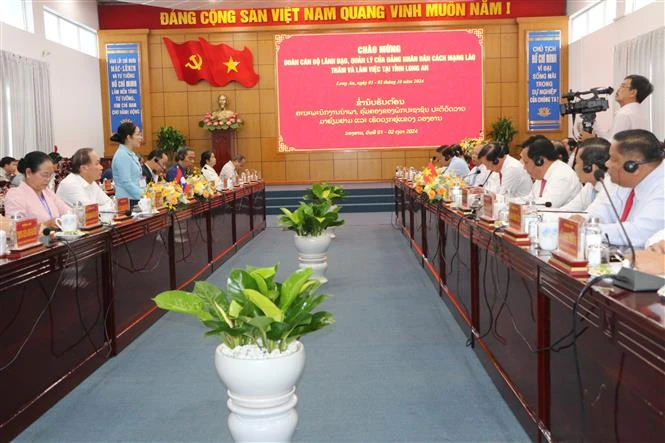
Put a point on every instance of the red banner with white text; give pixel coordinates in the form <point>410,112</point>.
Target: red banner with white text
<point>126,16</point>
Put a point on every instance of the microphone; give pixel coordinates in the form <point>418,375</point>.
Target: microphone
<point>476,172</point>
<point>629,278</point>
<point>546,204</point>
<point>45,238</point>
<point>564,212</point>
<point>607,90</point>
<point>488,177</point>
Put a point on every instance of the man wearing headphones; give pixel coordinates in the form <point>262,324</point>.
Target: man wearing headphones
<point>509,177</point>
<point>636,166</point>
<point>592,155</point>
<point>477,178</point>
<point>453,160</point>
<point>555,181</point>
<point>178,173</point>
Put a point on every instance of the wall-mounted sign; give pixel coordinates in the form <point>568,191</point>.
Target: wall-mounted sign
<point>121,16</point>
<point>194,61</point>
<point>124,83</point>
<point>544,74</point>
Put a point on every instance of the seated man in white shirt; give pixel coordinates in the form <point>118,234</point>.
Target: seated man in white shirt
<point>555,182</point>
<point>636,167</point>
<point>80,185</point>
<point>230,169</point>
<point>509,177</point>
<point>453,161</point>
<point>592,155</point>
<point>476,178</point>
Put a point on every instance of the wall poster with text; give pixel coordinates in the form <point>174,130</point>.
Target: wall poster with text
<point>124,84</point>
<point>544,80</point>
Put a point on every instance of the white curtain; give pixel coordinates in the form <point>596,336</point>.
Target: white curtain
<point>25,106</point>
<point>645,55</point>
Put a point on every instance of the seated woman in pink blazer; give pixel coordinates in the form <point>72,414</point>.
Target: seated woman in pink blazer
<point>32,197</point>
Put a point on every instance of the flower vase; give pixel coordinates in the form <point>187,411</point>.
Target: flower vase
<point>262,399</point>
<point>221,146</point>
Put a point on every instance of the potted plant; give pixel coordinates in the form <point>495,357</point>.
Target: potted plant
<point>259,322</point>
<point>326,191</point>
<point>169,139</point>
<point>503,131</point>
<point>309,222</point>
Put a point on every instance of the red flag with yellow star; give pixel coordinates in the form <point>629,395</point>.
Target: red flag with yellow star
<point>189,61</point>
<point>228,64</point>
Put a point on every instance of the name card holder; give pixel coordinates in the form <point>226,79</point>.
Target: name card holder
<point>487,219</point>
<point>514,232</point>
<point>27,234</point>
<point>569,257</point>
<point>122,206</point>
<point>91,217</point>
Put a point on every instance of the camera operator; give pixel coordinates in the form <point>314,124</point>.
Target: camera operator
<point>633,90</point>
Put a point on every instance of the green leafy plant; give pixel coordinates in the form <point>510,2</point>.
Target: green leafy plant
<point>169,139</point>
<point>311,218</point>
<point>503,131</point>
<point>325,191</point>
<point>254,309</point>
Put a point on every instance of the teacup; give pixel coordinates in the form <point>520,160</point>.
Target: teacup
<point>146,205</point>
<point>548,235</point>
<point>67,223</point>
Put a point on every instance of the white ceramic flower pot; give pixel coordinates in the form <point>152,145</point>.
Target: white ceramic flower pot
<point>261,393</point>
<point>331,232</point>
<point>313,253</point>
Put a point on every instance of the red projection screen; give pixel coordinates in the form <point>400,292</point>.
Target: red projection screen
<point>379,90</point>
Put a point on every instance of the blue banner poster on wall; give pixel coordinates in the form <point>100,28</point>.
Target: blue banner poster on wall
<point>122,61</point>
<point>544,73</point>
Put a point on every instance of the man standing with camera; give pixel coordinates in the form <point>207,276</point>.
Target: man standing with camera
<point>631,93</point>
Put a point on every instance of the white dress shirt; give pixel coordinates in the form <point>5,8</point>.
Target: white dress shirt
<point>512,181</point>
<point>646,217</point>
<point>588,194</point>
<point>561,185</point>
<point>228,171</point>
<point>457,167</point>
<point>74,189</point>
<point>477,179</point>
<point>630,116</point>
<point>657,237</point>
<point>211,176</point>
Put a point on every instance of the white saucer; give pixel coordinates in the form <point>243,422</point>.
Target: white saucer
<point>69,236</point>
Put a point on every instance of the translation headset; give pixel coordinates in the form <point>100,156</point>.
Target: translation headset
<point>538,161</point>
<point>496,154</point>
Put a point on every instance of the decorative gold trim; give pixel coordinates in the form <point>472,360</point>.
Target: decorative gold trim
<point>279,38</point>
<point>282,147</point>
<point>478,32</point>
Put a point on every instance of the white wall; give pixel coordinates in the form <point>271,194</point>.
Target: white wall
<point>591,59</point>
<point>75,82</point>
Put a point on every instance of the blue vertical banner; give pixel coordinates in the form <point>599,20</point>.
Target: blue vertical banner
<point>122,61</point>
<point>544,74</point>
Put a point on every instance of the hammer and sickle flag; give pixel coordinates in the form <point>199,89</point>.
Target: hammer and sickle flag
<point>194,61</point>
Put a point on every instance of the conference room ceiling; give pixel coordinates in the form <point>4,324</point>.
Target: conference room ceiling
<point>238,4</point>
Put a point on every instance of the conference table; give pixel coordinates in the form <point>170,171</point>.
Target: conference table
<point>67,309</point>
<point>516,311</point>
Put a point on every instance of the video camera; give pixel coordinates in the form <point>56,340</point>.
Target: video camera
<point>587,107</point>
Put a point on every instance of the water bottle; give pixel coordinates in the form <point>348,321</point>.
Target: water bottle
<point>457,197</point>
<point>14,218</point>
<point>3,243</point>
<point>79,210</point>
<point>593,242</point>
<point>531,223</point>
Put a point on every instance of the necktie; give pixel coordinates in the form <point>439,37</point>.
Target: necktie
<point>628,206</point>
<point>542,187</point>
<point>500,178</point>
